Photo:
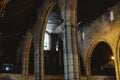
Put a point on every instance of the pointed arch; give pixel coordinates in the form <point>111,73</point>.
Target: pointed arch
<point>118,55</point>
<point>39,34</point>
<point>26,53</point>
<point>90,53</point>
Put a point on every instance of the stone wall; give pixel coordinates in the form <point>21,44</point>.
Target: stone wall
<point>102,29</point>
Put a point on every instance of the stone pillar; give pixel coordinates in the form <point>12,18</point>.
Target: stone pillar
<point>70,43</point>
<point>71,56</point>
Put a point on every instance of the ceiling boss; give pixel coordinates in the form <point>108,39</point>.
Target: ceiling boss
<point>3,4</point>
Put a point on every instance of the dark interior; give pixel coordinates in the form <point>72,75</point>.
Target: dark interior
<point>101,61</point>
<point>21,15</point>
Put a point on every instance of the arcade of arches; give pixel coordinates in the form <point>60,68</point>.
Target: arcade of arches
<point>89,53</point>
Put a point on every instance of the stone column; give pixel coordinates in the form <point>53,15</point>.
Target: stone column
<point>70,43</point>
<point>71,56</point>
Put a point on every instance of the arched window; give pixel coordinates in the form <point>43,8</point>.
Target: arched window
<point>47,41</point>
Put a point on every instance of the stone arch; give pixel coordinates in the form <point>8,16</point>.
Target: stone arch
<point>39,33</point>
<point>118,56</point>
<point>26,53</point>
<point>69,15</point>
<point>89,54</point>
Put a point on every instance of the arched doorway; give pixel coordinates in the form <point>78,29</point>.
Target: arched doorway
<point>102,60</point>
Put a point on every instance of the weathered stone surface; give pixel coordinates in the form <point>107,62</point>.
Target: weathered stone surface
<point>103,29</point>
